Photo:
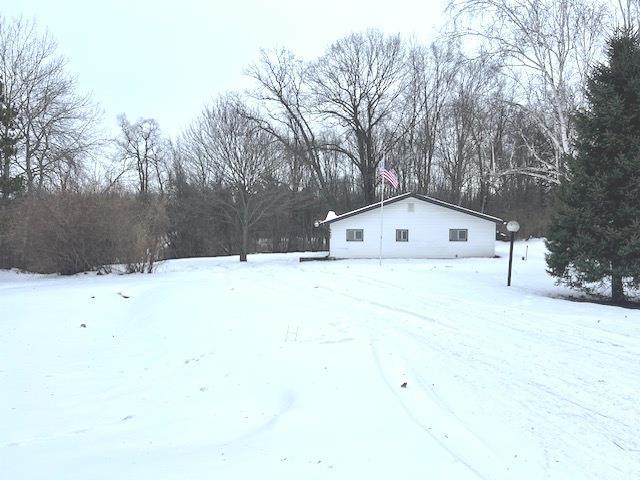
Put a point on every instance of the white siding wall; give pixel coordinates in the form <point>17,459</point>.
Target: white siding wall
<point>428,227</point>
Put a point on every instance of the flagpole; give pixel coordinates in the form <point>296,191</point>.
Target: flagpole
<point>381,214</point>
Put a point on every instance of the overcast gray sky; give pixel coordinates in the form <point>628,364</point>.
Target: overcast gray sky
<point>165,59</point>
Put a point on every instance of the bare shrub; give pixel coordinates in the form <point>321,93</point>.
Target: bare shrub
<point>64,233</point>
<point>72,232</point>
<point>146,229</point>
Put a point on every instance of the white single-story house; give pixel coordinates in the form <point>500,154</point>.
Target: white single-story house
<point>413,226</point>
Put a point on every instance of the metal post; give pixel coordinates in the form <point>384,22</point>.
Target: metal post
<point>381,217</point>
<point>513,234</point>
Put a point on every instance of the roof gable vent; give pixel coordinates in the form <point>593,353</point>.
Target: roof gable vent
<point>410,207</point>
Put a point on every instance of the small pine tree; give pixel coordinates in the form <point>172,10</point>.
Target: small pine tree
<point>9,185</point>
<point>595,232</point>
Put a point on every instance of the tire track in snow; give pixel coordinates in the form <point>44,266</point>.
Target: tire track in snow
<point>411,414</point>
<point>419,423</point>
<point>464,363</point>
<point>535,341</point>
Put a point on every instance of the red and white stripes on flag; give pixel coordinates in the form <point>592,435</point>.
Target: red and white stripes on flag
<point>389,175</point>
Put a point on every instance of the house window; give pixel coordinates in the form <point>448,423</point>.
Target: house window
<point>402,235</point>
<point>355,235</point>
<point>458,235</point>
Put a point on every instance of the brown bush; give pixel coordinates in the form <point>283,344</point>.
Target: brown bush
<point>146,227</point>
<point>72,232</point>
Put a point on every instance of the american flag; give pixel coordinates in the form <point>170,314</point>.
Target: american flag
<point>389,175</point>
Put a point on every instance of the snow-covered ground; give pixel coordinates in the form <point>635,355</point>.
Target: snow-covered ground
<point>277,369</point>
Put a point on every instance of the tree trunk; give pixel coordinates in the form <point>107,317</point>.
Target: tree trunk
<point>617,289</point>
<point>244,245</point>
<point>428,180</point>
<point>369,185</point>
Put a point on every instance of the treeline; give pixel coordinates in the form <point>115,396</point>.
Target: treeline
<point>490,130</point>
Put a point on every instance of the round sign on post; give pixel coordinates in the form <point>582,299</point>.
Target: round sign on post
<point>513,227</point>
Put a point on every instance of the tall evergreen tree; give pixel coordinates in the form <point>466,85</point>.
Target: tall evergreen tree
<point>9,185</point>
<point>595,233</point>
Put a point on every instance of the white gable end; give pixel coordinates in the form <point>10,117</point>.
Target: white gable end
<point>428,233</point>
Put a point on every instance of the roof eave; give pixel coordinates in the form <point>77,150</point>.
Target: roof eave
<point>424,198</point>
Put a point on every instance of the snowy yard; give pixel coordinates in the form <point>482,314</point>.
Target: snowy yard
<point>285,370</point>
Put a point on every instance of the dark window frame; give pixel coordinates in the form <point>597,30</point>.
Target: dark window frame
<point>399,235</point>
<point>355,235</point>
<point>454,234</point>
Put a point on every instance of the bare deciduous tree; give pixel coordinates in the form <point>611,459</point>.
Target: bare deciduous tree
<point>244,160</point>
<point>282,89</point>
<point>629,13</point>
<point>142,148</point>
<point>547,47</point>
<point>431,71</point>
<point>57,126</point>
<point>356,86</point>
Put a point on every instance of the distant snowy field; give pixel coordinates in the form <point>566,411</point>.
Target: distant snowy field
<point>276,369</point>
